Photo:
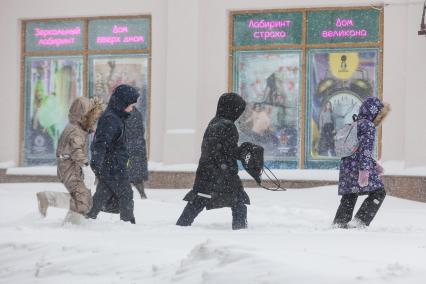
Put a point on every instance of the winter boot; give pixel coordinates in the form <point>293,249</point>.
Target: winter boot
<point>43,203</point>
<point>356,224</point>
<point>369,207</point>
<point>73,218</point>
<point>239,216</point>
<point>53,199</point>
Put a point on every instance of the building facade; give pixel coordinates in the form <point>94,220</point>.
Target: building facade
<point>303,66</point>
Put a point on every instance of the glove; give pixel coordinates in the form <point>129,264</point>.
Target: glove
<point>363,178</point>
<point>88,177</point>
<point>380,170</point>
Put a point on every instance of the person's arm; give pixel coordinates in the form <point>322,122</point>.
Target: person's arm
<point>106,133</point>
<point>222,148</point>
<point>78,155</point>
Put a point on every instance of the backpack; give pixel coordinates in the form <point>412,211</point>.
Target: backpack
<point>346,140</point>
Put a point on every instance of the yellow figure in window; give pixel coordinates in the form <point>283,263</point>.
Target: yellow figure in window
<point>343,65</point>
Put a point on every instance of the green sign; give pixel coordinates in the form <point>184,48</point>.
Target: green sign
<point>267,28</point>
<point>341,26</point>
<point>119,34</point>
<point>53,36</point>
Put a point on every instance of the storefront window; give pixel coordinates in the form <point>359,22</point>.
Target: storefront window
<point>338,82</point>
<point>65,59</point>
<point>304,73</point>
<point>52,83</point>
<point>269,81</point>
<point>109,71</point>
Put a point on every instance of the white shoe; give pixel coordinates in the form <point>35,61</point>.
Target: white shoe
<point>43,203</point>
<point>73,218</point>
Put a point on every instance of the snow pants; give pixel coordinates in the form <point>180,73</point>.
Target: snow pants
<point>119,190</point>
<point>193,208</point>
<point>366,212</point>
<point>81,197</point>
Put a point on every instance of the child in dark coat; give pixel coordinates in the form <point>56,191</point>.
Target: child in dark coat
<point>360,173</point>
<point>217,183</point>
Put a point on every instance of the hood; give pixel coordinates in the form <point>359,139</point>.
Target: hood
<point>97,107</point>
<point>85,112</point>
<point>230,106</point>
<point>374,110</point>
<point>80,106</point>
<point>122,97</point>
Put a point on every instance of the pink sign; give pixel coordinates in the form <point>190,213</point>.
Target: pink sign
<point>118,38</point>
<point>269,29</point>
<point>51,32</point>
<point>47,36</point>
<point>343,23</point>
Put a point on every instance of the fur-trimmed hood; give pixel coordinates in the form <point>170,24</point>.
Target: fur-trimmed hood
<point>374,110</point>
<point>382,114</point>
<point>85,112</point>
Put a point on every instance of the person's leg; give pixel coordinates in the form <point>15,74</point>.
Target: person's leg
<point>123,190</point>
<point>239,216</point>
<point>191,211</point>
<point>111,206</point>
<point>101,196</point>
<point>141,189</point>
<point>81,197</point>
<point>345,210</point>
<point>322,148</point>
<point>52,199</point>
<point>370,206</point>
<point>80,202</point>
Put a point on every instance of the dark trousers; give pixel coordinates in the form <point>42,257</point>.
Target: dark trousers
<point>366,212</point>
<point>108,193</point>
<point>193,208</point>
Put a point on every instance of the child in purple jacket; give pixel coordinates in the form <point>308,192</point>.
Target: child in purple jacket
<point>360,173</point>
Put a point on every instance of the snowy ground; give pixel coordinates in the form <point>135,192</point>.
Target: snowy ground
<point>289,241</point>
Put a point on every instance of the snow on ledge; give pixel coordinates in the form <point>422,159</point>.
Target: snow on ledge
<point>391,168</point>
<point>33,171</point>
<point>398,168</point>
<point>8,164</point>
<point>329,175</point>
<point>296,174</point>
<point>160,167</point>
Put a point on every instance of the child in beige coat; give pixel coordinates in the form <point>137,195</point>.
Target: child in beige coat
<point>72,161</point>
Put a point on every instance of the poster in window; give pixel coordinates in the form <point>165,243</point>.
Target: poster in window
<point>269,81</point>
<point>338,82</point>
<point>52,83</point>
<point>109,71</point>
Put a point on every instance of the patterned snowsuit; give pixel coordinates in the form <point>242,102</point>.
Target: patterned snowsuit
<point>362,162</point>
